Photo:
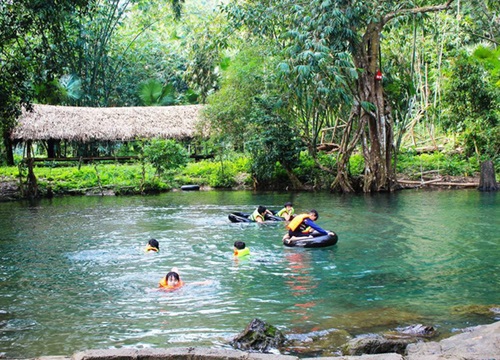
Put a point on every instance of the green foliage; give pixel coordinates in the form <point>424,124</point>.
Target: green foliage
<point>306,169</point>
<point>152,92</point>
<point>202,72</point>
<point>272,139</point>
<point>490,58</point>
<point>165,155</point>
<point>414,165</point>
<point>356,164</point>
<point>473,107</point>
<point>228,108</point>
<point>219,174</point>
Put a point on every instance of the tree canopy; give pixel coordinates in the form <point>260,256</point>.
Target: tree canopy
<point>277,77</point>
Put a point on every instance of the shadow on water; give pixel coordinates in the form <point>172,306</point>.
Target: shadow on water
<point>74,275</point>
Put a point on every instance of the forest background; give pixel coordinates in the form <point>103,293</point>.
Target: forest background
<point>339,95</point>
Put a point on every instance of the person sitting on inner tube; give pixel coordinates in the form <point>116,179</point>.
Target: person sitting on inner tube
<point>304,225</point>
<point>240,249</point>
<point>171,281</point>
<point>287,212</point>
<point>259,214</point>
<point>153,245</point>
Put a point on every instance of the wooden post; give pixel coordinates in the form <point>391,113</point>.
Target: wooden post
<point>487,181</point>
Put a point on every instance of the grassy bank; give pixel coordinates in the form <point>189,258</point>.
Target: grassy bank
<point>231,172</point>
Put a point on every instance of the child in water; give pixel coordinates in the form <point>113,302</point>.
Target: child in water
<point>287,212</point>
<point>171,281</point>
<point>153,245</point>
<point>240,249</point>
<point>259,215</point>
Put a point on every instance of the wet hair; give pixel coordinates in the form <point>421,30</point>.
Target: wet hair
<point>154,243</point>
<point>315,213</point>
<point>261,209</point>
<point>174,275</point>
<point>288,204</point>
<point>240,245</point>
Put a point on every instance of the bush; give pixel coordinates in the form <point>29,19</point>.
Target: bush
<point>165,155</point>
<point>412,164</point>
<point>216,173</point>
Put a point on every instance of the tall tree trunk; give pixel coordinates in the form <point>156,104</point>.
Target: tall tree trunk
<point>295,183</point>
<point>9,154</point>
<point>487,181</point>
<point>376,120</point>
<point>51,148</point>
<point>32,189</point>
<point>343,182</point>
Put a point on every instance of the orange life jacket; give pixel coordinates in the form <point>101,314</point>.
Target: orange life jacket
<point>164,285</point>
<point>150,248</point>
<point>297,221</point>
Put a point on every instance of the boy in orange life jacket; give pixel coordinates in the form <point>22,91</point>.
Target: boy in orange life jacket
<point>304,224</point>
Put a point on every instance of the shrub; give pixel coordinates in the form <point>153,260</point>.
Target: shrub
<point>165,155</point>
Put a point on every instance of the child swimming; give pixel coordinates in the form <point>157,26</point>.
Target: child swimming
<point>153,245</point>
<point>171,281</point>
<point>240,249</point>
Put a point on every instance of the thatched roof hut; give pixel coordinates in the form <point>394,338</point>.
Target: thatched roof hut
<point>84,124</point>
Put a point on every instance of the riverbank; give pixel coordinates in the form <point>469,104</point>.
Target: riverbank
<point>476,343</point>
<point>10,190</point>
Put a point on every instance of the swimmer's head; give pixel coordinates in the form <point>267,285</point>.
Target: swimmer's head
<point>172,277</point>
<point>240,245</point>
<point>261,209</point>
<point>288,204</point>
<point>154,243</point>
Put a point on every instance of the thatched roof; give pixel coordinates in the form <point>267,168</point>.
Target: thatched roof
<point>85,124</point>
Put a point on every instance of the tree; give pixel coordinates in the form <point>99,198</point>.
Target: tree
<point>315,38</point>
<point>43,44</point>
<point>165,155</point>
<point>28,30</point>
<point>272,141</point>
<point>472,107</point>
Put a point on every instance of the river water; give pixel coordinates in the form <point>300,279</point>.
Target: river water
<point>74,276</point>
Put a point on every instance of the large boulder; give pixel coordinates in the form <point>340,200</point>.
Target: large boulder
<point>476,343</point>
<point>259,336</point>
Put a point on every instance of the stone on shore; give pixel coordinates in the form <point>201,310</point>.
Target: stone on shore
<point>374,344</point>
<point>259,336</point>
<point>476,343</point>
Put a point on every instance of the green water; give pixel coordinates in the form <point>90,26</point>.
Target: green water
<point>73,274</point>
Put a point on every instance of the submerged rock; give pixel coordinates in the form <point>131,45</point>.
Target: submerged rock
<point>375,344</point>
<point>484,310</point>
<point>371,320</point>
<point>412,331</point>
<point>259,336</point>
<point>317,343</point>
